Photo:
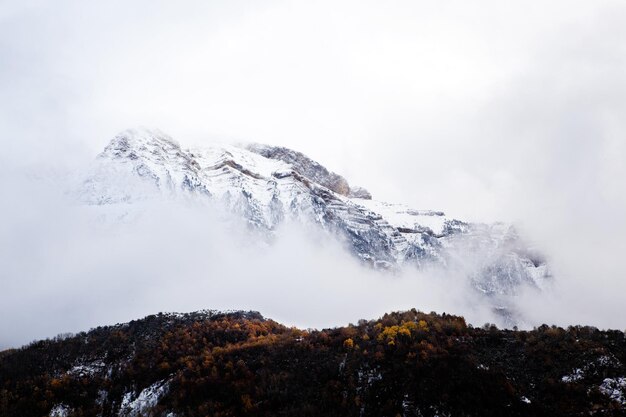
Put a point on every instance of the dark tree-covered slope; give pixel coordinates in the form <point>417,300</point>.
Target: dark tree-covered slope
<point>237,364</point>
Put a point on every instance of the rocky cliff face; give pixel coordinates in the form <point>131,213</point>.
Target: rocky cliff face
<point>267,185</point>
<point>305,166</point>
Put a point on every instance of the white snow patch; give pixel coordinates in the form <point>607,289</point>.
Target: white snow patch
<point>608,360</point>
<point>147,399</point>
<point>576,375</point>
<point>402,216</point>
<point>87,369</point>
<point>603,361</point>
<point>60,410</point>
<point>615,388</point>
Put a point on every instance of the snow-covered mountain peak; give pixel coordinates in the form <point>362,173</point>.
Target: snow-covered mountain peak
<point>131,142</point>
<point>266,185</point>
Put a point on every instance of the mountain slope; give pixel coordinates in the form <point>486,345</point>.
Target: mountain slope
<point>236,364</point>
<point>267,185</point>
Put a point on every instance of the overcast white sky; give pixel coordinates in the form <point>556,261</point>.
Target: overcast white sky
<point>489,110</point>
<point>447,105</point>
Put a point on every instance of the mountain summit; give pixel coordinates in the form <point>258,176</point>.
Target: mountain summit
<point>267,185</point>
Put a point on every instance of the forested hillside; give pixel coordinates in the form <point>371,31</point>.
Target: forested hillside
<point>236,364</point>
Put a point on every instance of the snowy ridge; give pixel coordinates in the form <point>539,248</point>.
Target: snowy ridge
<point>266,185</point>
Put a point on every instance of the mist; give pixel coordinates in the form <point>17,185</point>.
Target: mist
<point>493,112</point>
<point>68,268</point>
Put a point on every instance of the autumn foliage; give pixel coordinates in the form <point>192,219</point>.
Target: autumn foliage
<point>237,364</point>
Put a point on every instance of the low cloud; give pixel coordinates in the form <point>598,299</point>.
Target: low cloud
<point>68,267</point>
